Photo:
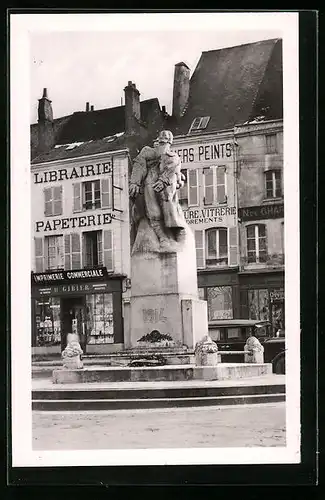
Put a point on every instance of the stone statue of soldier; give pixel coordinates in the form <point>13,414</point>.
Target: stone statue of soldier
<point>156,177</point>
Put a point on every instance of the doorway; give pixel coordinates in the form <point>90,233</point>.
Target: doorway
<point>73,314</point>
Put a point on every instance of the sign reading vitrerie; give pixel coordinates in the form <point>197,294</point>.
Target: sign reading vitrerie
<point>73,222</point>
<point>206,215</point>
<point>74,173</point>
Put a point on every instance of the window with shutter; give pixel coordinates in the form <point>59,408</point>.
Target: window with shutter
<point>48,205</point>
<point>67,251</point>
<point>57,200</point>
<point>53,201</point>
<point>221,185</point>
<point>91,195</point>
<point>77,197</point>
<point>271,143</point>
<point>199,246</point>
<point>216,247</point>
<point>208,179</point>
<point>193,187</point>
<point>232,235</point>
<point>75,251</point>
<point>54,255</point>
<point>39,257</point>
<point>92,249</point>
<point>199,123</point>
<point>106,192</point>
<point>108,249</point>
<point>183,191</point>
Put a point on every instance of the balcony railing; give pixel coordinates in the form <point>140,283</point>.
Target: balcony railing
<point>270,261</point>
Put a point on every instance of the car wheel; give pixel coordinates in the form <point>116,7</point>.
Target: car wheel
<point>279,366</point>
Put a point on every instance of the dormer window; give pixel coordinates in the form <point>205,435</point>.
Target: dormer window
<point>199,123</point>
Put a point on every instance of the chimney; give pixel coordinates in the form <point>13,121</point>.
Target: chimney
<point>45,127</point>
<point>132,109</point>
<point>91,108</point>
<point>87,107</point>
<point>181,88</point>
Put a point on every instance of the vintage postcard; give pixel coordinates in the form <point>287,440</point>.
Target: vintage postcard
<point>155,239</point>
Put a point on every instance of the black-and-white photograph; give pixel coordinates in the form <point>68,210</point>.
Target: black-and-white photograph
<point>155,191</point>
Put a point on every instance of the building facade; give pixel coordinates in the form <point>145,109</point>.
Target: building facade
<point>81,251</point>
<point>227,121</point>
<point>261,221</point>
<point>209,201</point>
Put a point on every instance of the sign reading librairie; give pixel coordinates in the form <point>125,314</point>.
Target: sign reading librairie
<point>75,275</point>
<point>275,211</point>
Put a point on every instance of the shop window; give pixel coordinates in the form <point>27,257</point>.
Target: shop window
<point>214,185</point>
<point>273,184</point>
<point>91,195</point>
<point>271,144</point>
<point>219,300</point>
<point>256,243</point>
<point>92,249</point>
<point>199,123</point>
<point>193,187</point>
<point>54,252</point>
<point>183,191</point>
<point>48,323</point>
<point>100,324</point>
<point>53,201</point>
<point>258,304</point>
<point>216,247</point>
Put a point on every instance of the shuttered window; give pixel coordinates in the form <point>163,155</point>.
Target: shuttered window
<point>53,201</point>
<point>108,249</point>
<point>77,197</point>
<point>92,249</point>
<point>106,193</point>
<point>216,247</point>
<point>199,246</point>
<point>183,191</point>
<point>208,179</point>
<point>39,255</point>
<point>54,252</point>
<point>193,188</point>
<point>72,251</point>
<point>232,245</point>
<point>221,185</point>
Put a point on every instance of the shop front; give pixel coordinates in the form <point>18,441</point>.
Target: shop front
<point>86,302</point>
<point>262,297</point>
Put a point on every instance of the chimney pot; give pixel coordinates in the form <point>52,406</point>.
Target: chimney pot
<point>87,106</point>
<point>45,93</point>
<point>91,108</point>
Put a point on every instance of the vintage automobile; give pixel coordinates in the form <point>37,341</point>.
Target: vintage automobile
<point>231,335</point>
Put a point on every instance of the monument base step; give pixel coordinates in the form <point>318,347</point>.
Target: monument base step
<point>222,371</point>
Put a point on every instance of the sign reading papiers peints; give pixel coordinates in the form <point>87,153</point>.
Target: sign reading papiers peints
<point>205,152</point>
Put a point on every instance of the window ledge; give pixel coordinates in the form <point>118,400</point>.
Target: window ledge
<point>270,201</point>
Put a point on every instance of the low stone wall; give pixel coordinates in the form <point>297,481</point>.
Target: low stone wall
<point>223,371</point>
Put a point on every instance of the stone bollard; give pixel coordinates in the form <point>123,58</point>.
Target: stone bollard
<point>256,351</point>
<point>71,355</point>
<point>206,352</point>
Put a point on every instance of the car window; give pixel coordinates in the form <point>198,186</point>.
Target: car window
<point>234,333</point>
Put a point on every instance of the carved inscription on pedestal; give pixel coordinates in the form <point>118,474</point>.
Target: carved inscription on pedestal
<point>153,315</point>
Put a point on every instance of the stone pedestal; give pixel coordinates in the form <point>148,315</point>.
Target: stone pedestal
<point>164,297</point>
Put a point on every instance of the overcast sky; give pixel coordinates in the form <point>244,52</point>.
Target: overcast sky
<point>77,67</point>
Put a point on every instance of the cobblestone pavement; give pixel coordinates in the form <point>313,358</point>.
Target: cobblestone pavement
<point>218,427</point>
